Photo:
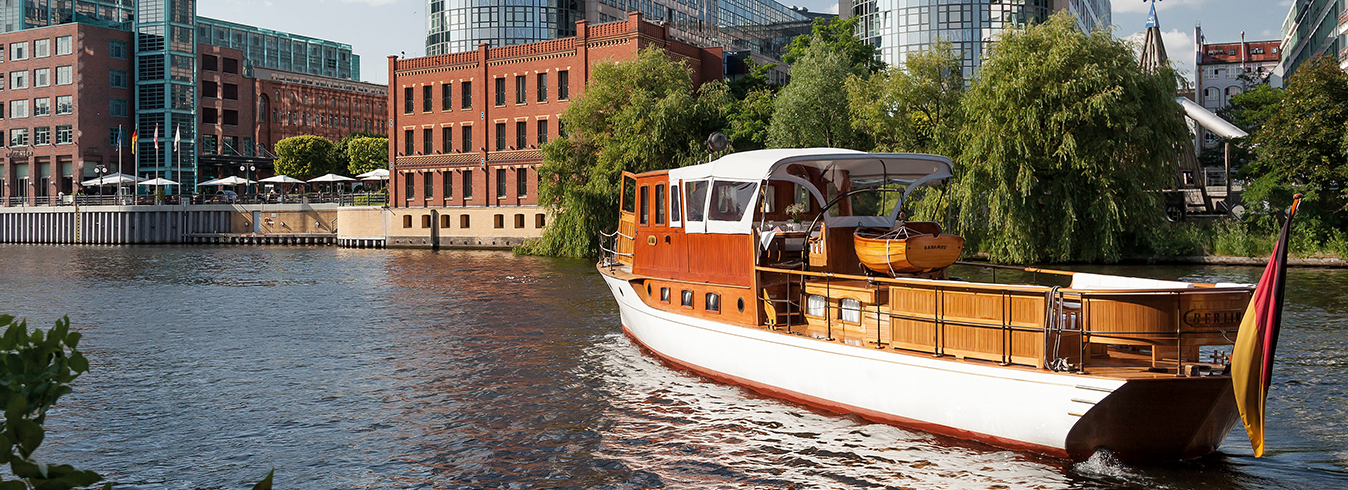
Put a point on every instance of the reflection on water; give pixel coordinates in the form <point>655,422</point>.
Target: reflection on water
<point>471,369</point>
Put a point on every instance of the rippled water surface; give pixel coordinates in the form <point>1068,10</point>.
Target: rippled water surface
<point>471,369</point>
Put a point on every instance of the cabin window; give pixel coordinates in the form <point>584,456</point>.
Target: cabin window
<point>713,302</point>
<point>686,298</point>
<point>729,200</point>
<point>664,295</point>
<point>851,310</point>
<point>629,194</point>
<point>645,205</point>
<point>659,204</point>
<point>815,305</point>
<point>697,197</point>
<point>674,205</point>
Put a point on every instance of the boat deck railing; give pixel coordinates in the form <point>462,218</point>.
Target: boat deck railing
<point>1052,327</point>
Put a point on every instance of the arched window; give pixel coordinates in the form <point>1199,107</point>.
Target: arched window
<point>1210,93</point>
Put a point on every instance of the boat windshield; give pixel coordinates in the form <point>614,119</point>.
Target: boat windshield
<point>697,198</point>
<point>729,200</point>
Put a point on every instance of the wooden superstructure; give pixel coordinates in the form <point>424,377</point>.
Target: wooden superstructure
<point>780,275</point>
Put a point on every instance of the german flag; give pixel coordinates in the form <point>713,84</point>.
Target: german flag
<point>1252,358</point>
<point>135,138</point>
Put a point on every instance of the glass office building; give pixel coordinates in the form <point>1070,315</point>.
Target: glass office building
<point>166,80</point>
<point>265,48</point>
<point>761,26</point>
<point>1314,28</point>
<point>898,27</point>
<point>17,15</point>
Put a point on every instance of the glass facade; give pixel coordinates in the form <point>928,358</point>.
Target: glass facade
<point>265,48</point>
<point>1312,29</point>
<point>762,26</point>
<point>165,60</point>
<point>16,15</point>
<point>899,27</point>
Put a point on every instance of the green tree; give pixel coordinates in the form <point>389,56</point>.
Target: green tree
<point>1067,139</point>
<point>636,116</point>
<point>748,120</point>
<point>305,156</point>
<point>341,159</point>
<point>811,111</point>
<point>366,154</point>
<point>37,368</point>
<point>1303,147</point>
<point>1247,110</point>
<point>913,108</point>
<point>837,35</point>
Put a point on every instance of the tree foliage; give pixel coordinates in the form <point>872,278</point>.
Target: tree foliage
<point>341,159</point>
<point>913,108</point>
<point>305,156</point>
<point>748,120</point>
<point>811,111</point>
<point>636,116</point>
<point>37,368</point>
<point>1067,140</point>
<point>365,154</point>
<point>1303,147</point>
<point>838,36</point>
<point>1248,110</point>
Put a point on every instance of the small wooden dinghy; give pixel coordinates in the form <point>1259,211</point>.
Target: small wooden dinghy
<point>909,247</point>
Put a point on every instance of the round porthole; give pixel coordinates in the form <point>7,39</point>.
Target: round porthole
<point>740,304</point>
<point>648,290</point>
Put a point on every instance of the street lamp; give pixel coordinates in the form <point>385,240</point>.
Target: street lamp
<point>248,176</point>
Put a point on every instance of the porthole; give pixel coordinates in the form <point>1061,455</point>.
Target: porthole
<point>664,295</point>
<point>713,302</point>
<point>648,290</point>
<point>687,298</point>
<point>740,304</point>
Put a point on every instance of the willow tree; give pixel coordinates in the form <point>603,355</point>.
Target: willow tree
<point>811,111</point>
<point>636,116</point>
<point>1066,143</point>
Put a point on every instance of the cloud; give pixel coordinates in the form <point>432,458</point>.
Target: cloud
<point>833,9</point>
<point>1179,47</point>
<point>1143,7</point>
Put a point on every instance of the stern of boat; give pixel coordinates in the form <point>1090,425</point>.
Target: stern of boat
<point>1154,420</point>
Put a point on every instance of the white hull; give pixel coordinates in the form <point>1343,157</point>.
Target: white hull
<point>1016,408</point>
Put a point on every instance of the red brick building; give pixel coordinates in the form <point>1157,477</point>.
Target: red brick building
<point>464,128</point>
<point>66,89</point>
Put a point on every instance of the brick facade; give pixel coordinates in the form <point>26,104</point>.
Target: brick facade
<point>459,116</point>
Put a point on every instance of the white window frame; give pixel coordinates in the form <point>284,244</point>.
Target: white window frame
<point>41,48</point>
<point>65,45</point>
<point>65,75</point>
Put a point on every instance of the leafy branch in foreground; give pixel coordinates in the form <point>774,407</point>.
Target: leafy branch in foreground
<point>36,368</point>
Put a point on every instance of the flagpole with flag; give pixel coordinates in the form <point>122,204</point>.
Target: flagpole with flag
<point>156,162</point>
<point>119,163</point>
<point>177,138</point>
<point>1252,357</point>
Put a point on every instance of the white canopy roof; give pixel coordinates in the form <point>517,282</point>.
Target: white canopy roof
<point>231,180</point>
<point>331,178</point>
<point>282,179</point>
<point>158,182</point>
<point>112,179</point>
<point>376,174</point>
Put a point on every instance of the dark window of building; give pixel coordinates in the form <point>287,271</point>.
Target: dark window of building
<point>427,187</point>
<point>210,89</point>
<point>444,221</point>
<point>467,140</point>
<point>500,137</point>
<point>117,49</point>
<point>500,91</point>
<point>542,131</point>
<point>521,134</point>
<point>522,182</point>
<point>208,62</point>
<point>425,221</point>
<point>231,65</point>
<point>467,184</point>
<point>659,204</point>
<point>446,97</point>
<point>231,91</point>
<point>447,139</point>
<point>563,85</point>
<point>519,221</point>
<point>117,78</point>
<point>427,101</point>
<point>208,115</point>
<point>466,95</point>
<point>520,89</point>
<point>407,142</point>
<point>540,220</point>
<point>561,128</point>
<point>542,87</point>
<point>407,100</point>
<point>448,184</point>
<point>231,117</point>
<point>407,221</point>
<point>498,221</point>
<point>501,182</point>
<point>463,221</point>
<point>644,204</point>
<point>411,185</point>
<point>427,141</point>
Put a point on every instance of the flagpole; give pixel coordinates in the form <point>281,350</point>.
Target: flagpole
<point>177,134</point>
<point>119,164</point>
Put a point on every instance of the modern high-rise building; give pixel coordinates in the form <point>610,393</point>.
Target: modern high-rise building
<point>899,27</point>
<point>1314,28</point>
<point>763,27</point>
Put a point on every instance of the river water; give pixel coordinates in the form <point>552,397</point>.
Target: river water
<point>474,369</point>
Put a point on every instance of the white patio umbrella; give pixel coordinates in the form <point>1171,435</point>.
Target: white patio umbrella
<point>282,179</point>
<point>157,182</point>
<point>331,178</point>
<point>112,179</point>
<point>232,180</point>
<point>210,182</point>
<point>377,174</point>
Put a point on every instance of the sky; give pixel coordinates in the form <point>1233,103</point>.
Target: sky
<point>378,28</point>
